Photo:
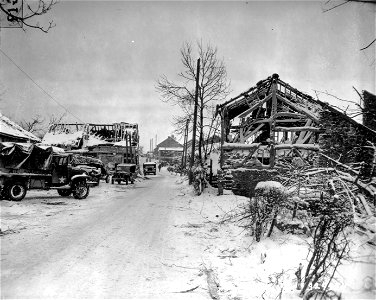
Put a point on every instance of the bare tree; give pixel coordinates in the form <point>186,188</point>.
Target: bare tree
<point>39,126</point>
<point>213,87</point>
<point>353,109</point>
<point>23,13</point>
<point>34,125</point>
<point>56,119</point>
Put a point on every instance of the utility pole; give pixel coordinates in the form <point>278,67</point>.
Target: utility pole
<point>194,124</point>
<point>185,146</point>
<point>156,143</point>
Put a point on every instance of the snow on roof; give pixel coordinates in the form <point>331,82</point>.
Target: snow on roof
<point>121,143</point>
<point>66,139</point>
<point>71,139</point>
<point>8,127</point>
<point>169,143</point>
<point>94,141</point>
<point>171,148</point>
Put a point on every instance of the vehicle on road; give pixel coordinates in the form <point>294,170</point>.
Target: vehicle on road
<point>93,167</point>
<point>150,168</point>
<point>28,166</point>
<point>124,172</point>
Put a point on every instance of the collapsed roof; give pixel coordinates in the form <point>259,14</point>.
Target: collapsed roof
<point>273,120</point>
<point>78,136</point>
<point>11,129</point>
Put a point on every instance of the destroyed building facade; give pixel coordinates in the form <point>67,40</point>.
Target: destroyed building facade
<point>272,126</point>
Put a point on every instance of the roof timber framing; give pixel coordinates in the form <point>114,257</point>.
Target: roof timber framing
<point>254,106</point>
<point>298,108</point>
<point>274,115</point>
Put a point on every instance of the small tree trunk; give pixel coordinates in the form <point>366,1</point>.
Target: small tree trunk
<point>298,275</point>
<point>272,224</point>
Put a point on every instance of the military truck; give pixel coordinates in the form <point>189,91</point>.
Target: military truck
<point>27,166</point>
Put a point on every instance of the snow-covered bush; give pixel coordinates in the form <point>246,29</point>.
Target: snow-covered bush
<point>330,244</point>
<point>270,197</point>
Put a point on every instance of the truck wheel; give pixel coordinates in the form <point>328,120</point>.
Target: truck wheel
<point>80,190</point>
<point>16,191</point>
<point>64,193</point>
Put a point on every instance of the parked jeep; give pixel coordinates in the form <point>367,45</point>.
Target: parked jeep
<point>27,166</point>
<point>150,168</point>
<point>124,172</point>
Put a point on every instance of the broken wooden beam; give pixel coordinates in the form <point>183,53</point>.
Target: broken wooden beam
<point>256,105</point>
<point>231,146</point>
<point>365,204</point>
<point>313,147</point>
<point>295,129</point>
<point>289,114</point>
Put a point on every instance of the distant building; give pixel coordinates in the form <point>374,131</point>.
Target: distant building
<point>12,132</point>
<point>169,150</point>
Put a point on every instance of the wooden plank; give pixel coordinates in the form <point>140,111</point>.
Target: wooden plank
<point>299,109</point>
<point>231,146</point>
<point>241,135</point>
<point>365,204</point>
<point>289,120</point>
<point>294,129</point>
<point>222,138</point>
<point>306,138</point>
<point>313,147</point>
<point>303,133</point>
<point>272,124</point>
<point>256,105</point>
<point>246,135</point>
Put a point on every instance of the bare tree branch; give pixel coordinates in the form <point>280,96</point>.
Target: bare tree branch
<point>41,8</point>
<point>364,48</point>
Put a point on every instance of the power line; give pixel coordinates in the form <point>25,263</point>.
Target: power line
<point>48,94</point>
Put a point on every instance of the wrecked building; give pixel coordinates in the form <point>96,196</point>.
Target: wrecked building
<point>272,126</point>
<point>111,143</point>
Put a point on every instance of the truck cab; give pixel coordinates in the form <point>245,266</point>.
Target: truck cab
<point>27,166</point>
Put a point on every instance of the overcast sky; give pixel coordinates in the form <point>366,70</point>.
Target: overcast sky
<point>102,59</point>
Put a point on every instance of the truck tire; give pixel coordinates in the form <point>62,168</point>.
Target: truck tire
<point>80,190</point>
<point>16,191</point>
<point>64,193</point>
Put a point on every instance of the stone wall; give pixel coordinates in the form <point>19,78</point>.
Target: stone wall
<point>344,141</point>
<point>369,117</point>
<point>245,180</point>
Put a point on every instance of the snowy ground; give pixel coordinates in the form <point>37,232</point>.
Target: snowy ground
<point>184,244</point>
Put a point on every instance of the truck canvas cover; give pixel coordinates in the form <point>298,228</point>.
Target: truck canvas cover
<point>27,156</point>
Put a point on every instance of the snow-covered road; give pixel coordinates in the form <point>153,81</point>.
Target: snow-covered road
<point>119,242</point>
<point>154,239</point>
